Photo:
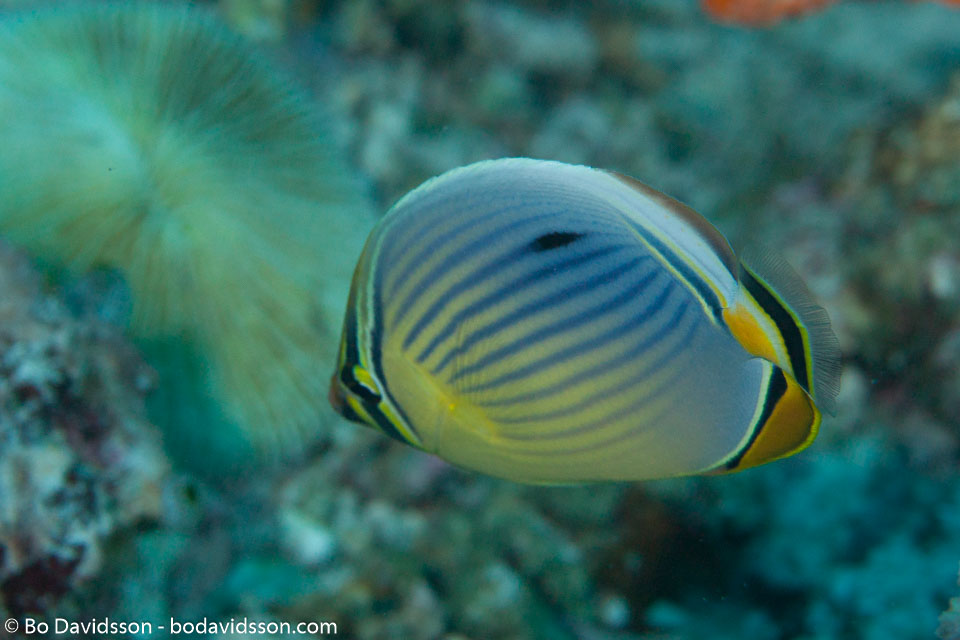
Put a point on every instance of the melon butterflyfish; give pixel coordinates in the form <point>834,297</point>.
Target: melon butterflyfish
<point>552,323</point>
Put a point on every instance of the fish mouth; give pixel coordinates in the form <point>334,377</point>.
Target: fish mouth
<point>335,396</point>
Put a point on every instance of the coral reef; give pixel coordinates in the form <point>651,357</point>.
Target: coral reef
<point>949,628</point>
<point>626,91</point>
<point>456,553</point>
<point>831,139</point>
<point>78,460</point>
<point>854,539</point>
<point>902,208</point>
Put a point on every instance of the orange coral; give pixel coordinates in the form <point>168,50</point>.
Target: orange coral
<point>760,11</point>
<point>768,11</point>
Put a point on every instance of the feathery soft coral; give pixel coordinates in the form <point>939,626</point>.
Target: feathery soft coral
<point>150,139</point>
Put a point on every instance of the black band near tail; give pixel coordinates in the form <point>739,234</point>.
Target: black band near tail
<point>786,325</point>
<point>775,390</point>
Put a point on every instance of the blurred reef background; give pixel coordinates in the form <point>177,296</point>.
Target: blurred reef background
<point>833,138</point>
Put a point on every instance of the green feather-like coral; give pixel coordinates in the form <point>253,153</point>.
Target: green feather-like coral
<point>151,139</point>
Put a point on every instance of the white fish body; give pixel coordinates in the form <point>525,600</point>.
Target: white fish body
<point>555,323</point>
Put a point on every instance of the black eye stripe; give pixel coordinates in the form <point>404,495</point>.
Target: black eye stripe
<point>359,389</point>
<point>347,412</point>
<point>371,404</point>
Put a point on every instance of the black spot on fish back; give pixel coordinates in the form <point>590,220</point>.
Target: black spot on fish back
<point>554,240</point>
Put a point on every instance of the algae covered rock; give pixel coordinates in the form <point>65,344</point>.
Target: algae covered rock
<point>78,460</point>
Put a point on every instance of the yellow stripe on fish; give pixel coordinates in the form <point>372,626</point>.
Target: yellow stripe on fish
<point>553,323</point>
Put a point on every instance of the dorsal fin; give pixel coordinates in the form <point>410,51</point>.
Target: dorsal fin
<point>710,234</point>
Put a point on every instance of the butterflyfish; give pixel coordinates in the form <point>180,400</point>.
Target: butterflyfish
<point>556,324</point>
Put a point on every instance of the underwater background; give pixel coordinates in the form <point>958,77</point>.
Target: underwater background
<point>832,138</point>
